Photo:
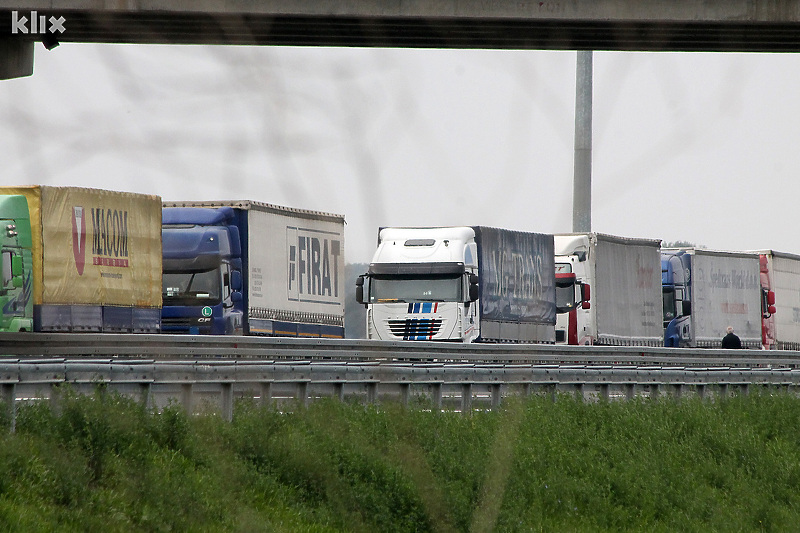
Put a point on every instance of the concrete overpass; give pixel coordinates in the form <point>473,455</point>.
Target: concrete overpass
<point>642,25</point>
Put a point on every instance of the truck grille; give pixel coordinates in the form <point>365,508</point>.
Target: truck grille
<point>184,323</point>
<point>415,329</point>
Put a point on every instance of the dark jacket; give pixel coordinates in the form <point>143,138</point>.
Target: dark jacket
<point>731,341</point>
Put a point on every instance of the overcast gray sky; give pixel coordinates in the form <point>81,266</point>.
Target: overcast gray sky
<point>697,147</point>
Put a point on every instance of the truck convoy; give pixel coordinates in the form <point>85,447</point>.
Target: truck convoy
<point>90,260</point>
<point>464,284</point>
<point>249,268</point>
<point>706,291</point>
<point>80,260</point>
<point>608,290</point>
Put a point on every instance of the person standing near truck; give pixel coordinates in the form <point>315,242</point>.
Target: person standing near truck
<point>731,340</point>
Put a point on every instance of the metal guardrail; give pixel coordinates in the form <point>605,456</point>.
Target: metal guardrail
<point>183,347</point>
<point>203,373</point>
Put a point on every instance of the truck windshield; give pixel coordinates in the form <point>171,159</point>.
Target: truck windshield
<point>192,288</point>
<point>415,289</point>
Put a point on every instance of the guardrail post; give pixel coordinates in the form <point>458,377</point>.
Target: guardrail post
<point>405,393</point>
<point>55,398</point>
<point>551,390</point>
<point>654,392</point>
<point>9,393</point>
<point>186,398</point>
<point>526,390</point>
<point>372,392</point>
<point>579,392</point>
<point>145,395</point>
<point>723,390</point>
<point>466,398</point>
<point>266,393</point>
<point>604,391</point>
<point>437,395</point>
<point>496,395</point>
<point>302,393</point>
<point>701,390</point>
<point>745,389</point>
<point>677,391</point>
<point>630,391</point>
<point>338,391</point>
<point>227,402</point>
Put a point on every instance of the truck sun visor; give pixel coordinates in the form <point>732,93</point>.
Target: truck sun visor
<point>420,242</point>
<point>415,268</point>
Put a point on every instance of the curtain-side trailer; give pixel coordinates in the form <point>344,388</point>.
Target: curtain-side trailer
<point>608,290</point>
<point>250,268</point>
<point>463,284</point>
<point>80,260</point>
<point>706,291</point>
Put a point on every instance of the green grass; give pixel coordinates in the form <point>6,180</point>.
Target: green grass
<point>104,463</point>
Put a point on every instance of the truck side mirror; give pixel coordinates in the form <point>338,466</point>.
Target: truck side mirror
<point>686,307</point>
<point>360,289</point>
<point>236,280</point>
<point>586,296</point>
<point>771,299</point>
<point>236,297</point>
<point>771,309</point>
<point>474,288</point>
<point>474,292</point>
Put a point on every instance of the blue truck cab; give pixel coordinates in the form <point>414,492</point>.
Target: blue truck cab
<point>202,271</point>
<point>676,285</point>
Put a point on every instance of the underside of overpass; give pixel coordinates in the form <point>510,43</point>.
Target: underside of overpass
<point>625,25</point>
<point>350,31</point>
<point>645,25</point>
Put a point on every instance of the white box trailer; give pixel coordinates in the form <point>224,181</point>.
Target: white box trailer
<point>721,288</point>
<point>608,290</point>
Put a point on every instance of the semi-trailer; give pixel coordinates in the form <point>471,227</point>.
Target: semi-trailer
<point>705,292</point>
<point>465,284</point>
<point>80,260</point>
<point>608,290</point>
<point>251,268</point>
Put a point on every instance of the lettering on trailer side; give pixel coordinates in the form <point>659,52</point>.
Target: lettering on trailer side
<point>109,237</point>
<point>735,279</point>
<point>730,308</point>
<point>650,315</point>
<point>519,281</point>
<point>313,265</point>
<point>256,282</point>
<point>645,274</point>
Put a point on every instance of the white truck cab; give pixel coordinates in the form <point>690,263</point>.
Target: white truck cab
<point>422,284</point>
<point>574,278</point>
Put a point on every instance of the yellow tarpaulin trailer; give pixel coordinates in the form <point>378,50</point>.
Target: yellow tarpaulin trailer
<point>96,257</point>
